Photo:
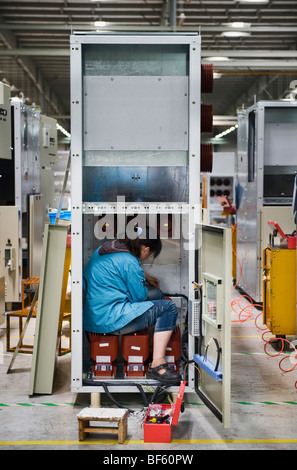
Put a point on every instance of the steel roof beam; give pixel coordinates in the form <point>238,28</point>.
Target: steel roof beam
<point>196,28</point>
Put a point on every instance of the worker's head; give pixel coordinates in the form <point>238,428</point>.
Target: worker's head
<point>145,244</point>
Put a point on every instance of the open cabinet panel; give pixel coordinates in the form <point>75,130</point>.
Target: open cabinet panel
<point>213,354</point>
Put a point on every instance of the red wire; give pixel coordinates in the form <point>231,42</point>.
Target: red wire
<point>237,301</point>
<point>265,330</point>
<point>283,340</point>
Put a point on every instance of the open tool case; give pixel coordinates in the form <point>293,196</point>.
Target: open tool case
<point>161,417</point>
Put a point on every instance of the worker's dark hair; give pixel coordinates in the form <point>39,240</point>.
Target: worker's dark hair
<point>147,237</point>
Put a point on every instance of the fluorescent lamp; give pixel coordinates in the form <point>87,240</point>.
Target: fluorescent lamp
<point>239,24</point>
<point>216,58</point>
<point>253,1</point>
<point>235,34</point>
<point>227,131</point>
<point>100,23</point>
<point>61,129</point>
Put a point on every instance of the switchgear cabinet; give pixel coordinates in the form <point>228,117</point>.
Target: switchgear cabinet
<point>267,139</point>
<point>135,159</point>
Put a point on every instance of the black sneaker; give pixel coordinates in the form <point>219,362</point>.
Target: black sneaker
<point>168,377</point>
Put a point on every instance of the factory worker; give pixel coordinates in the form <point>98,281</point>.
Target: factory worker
<point>118,301</point>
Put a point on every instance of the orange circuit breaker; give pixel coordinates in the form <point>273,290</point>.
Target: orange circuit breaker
<point>135,351</point>
<point>104,351</point>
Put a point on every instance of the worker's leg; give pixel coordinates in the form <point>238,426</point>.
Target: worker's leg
<point>162,315</point>
<point>161,340</point>
<point>154,293</point>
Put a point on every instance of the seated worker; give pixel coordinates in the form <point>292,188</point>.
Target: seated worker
<point>116,298</point>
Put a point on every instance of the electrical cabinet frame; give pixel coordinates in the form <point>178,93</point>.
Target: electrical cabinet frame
<point>5,130</point>
<point>267,141</point>
<point>142,126</point>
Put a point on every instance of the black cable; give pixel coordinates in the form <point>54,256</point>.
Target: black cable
<point>184,357</point>
<point>113,399</point>
<point>218,352</point>
<point>157,392</point>
<point>142,394</point>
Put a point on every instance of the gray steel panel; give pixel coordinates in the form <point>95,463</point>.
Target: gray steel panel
<point>135,59</point>
<point>27,153</point>
<point>135,113</point>
<point>48,310</point>
<point>136,184</point>
<point>36,221</point>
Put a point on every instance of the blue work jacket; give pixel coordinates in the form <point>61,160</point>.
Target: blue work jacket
<point>115,292</point>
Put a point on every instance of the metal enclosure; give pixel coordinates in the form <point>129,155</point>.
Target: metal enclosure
<point>26,144</point>
<point>135,154</point>
<point>10,252</point>
<point>267,139</point>
<point>5,130</point>
<point>135,150</point>
<point>214,263</point>
<point>48,160</point>
<point>28,185</point>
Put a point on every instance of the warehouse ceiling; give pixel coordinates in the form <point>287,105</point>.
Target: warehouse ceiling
<point>251,43</point>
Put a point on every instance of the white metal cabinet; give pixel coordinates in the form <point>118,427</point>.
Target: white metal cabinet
<point>134,120</point>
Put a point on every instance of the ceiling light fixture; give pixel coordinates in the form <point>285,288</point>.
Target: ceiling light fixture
<point>61,129</point>
<point>216,58</point>
<point>227,131</point>
<point>100,23</point>
<point>235,34</point>
<point>253,1</point>
<point>239,24</point>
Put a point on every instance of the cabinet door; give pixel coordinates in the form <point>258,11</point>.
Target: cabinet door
<point>213,345</point>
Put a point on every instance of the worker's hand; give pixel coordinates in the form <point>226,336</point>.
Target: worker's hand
<point>152,281</point>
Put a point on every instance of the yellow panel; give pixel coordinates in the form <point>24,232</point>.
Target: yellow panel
<point>279,300</point>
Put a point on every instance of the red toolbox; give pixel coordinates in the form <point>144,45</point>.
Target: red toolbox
<point>161,417</point>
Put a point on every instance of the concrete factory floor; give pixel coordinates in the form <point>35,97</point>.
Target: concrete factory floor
<point>263,405</point>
